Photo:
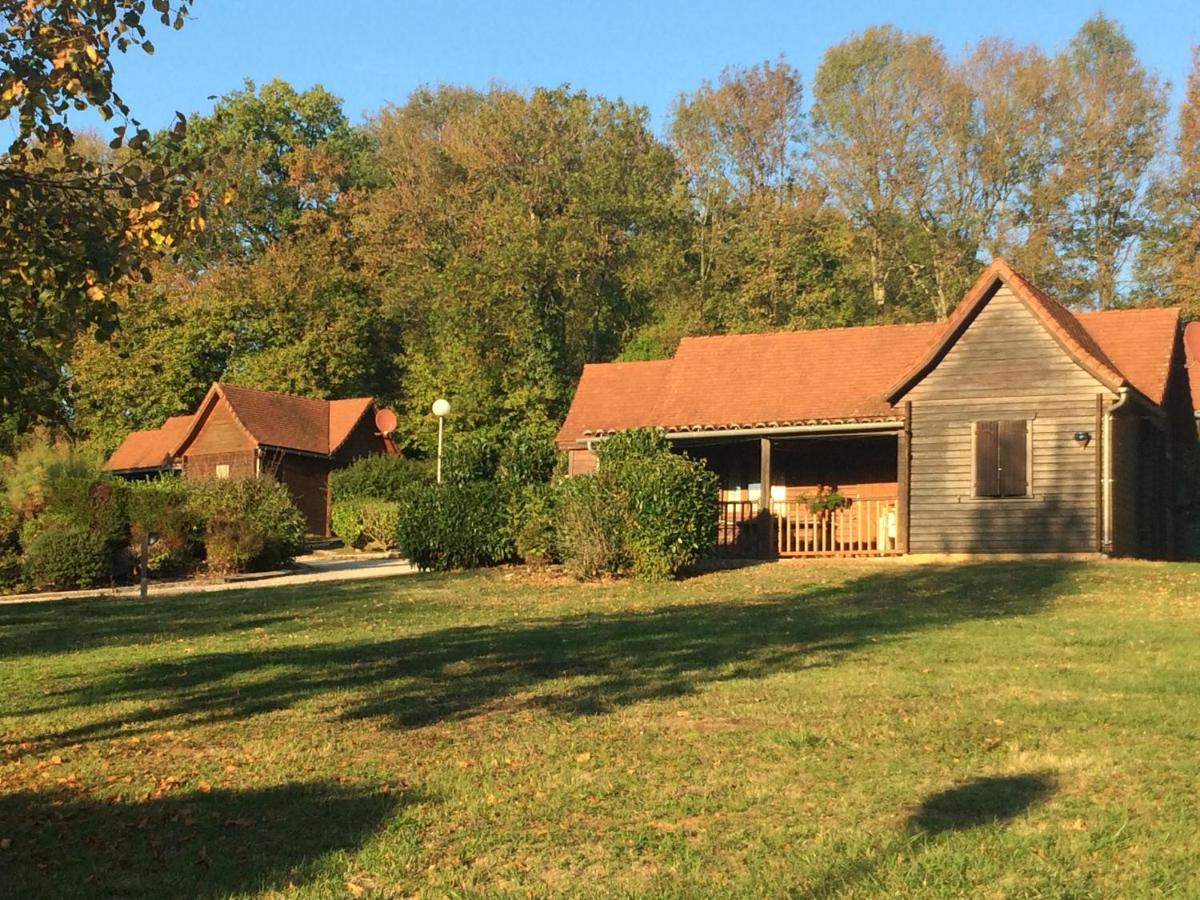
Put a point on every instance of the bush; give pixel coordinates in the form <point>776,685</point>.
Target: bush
<point>248,523</point>
<point>532,514</point>
<point>366,521</point>
<point>379,475</point>
<point>455,526</point>
<point>646,510</point>
<point>590,529</point>
<point>65,556</point>
<point>469,456</point>
<point>56,489</point>
<point>161,507</point>
<point>345,520</point>
<point>528,456</point>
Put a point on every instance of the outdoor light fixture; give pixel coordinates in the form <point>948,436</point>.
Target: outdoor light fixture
<point>441,409</point>
<point>1082,438</point>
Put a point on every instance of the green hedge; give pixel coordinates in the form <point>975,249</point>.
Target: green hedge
<point>161,507</point>
<point>379,476</point>
<point>366,521</point>
<point>65,556</point>
<point>647,510</point>
<point>455,526</point>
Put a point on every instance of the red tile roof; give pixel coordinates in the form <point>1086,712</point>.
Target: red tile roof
<point>616,395</point>
<point>271,419</point>
<point>848,374</point>
<point>1191,348</point>
<point>1140,343</point>
<point>151,449</point>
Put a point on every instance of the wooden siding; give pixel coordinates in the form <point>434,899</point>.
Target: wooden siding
<point>581,462</point>
<point>307,480</point>
<point>1005,366</point>
<point>219,432</point>
<point>242,464</point>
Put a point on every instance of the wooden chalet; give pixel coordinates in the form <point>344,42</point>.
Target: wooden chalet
<point>239,431</point>
<point>1014,426</point>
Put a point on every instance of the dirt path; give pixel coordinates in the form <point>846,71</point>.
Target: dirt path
<point>315,569</point>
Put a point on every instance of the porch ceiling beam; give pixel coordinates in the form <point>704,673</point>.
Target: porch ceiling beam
<point>849,428</point>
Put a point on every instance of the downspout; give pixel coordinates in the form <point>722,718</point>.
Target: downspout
<point>1124,397</point>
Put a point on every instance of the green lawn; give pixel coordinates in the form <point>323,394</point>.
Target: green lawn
<point>1024,729</point>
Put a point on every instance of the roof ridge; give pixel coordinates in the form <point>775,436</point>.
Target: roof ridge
<point>826,329</point>
<point>241,387</point>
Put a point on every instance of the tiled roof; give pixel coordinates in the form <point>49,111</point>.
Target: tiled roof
<point>796,378</point>
<point>1191,346</point>
<point>271,419</point>
<point>280,420</point>
<point>343,416</point>
<point>151,449</point>
<point>751,381</point>
<point>1140,343</point>
<point>613,396</point>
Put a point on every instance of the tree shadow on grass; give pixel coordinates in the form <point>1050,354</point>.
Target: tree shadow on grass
<point>987,800</point>
<point>181,845</point>
<point>580,664</point>
<point>982,801</point>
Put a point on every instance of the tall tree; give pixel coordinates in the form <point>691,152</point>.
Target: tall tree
<point>1089,214</point>
<point>297,318</point>
<point>77,224</point>
<point>516,237</point>
<point>272,152</point>
<point>765,251</point>
<point>1168,266</point>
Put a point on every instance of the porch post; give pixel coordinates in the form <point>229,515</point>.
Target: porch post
<point>766,522</point>
<point>903,477</point>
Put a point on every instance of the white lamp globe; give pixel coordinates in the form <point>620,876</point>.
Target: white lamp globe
<point>441,407</point>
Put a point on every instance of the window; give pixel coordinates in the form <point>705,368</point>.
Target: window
<point>1002,458</point>
<point>222,470</point>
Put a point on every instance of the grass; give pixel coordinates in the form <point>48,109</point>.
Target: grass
<point>1006,730</point>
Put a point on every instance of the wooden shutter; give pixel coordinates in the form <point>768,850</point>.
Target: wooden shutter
<point>1013,435</point>
<point>987,455</point>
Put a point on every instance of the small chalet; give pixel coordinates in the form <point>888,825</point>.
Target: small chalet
<point>238,431</point>
<point>1014,426</point>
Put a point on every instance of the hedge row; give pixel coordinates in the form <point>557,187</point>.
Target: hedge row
<point>647,512</point>
<point>66,524</point>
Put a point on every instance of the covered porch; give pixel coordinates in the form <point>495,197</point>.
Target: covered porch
<point>830,492</point>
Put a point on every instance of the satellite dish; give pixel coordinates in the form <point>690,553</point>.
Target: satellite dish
<point>385,421</point>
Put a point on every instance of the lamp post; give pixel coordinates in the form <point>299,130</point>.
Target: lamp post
<point>441,409</point>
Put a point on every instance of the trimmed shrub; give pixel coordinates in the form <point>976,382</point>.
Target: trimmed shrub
<point>528,456</point>
<point>161,507</point>
<point>455,526</point>
<point>469,456</point>
<point>366,521</point>
<point>65,556</point>
<point>646,510</point>
<point>345,520</point>
<point>249,523</point>
<point>533,524</point>
<point>380,519</point>
<point>59,490</point>
<point>379,475</point>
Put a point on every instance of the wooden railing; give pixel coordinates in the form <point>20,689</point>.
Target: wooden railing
<point>738,528</point>
<point>866,526</point>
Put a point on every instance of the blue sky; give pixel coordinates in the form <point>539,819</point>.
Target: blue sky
<point>372,51</point>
